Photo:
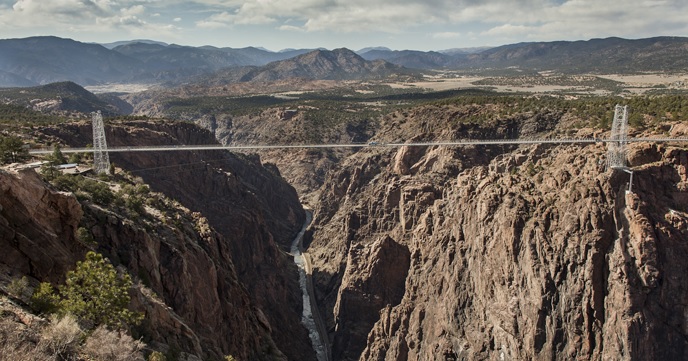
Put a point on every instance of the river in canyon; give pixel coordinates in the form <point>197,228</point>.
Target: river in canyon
<point>307,318</point>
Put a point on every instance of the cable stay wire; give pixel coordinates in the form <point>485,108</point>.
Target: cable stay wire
<point>396,144</point>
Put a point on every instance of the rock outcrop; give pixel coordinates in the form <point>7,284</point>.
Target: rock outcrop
<point>522,253</point>
<point>37,228</point>
<point>230,290</point>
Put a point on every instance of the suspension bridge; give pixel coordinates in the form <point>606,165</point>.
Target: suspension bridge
<point>616,143</point>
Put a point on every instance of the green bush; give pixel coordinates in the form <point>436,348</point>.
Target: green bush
<point>100,192</point>
<point>65,182</point>
<point>56,158</point>
<point>85,237</point>
<point>44,299</point>
<point>75,158</point>
<point>18,287</point>
<point>12,150</point>
<point>157,356</point>
<point>142,189</point>
<point>84,188</point>
<point>135,205</point>
<point>94,293</point>
<point>49,172</point>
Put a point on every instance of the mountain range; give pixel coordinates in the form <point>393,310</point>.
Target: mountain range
<point>338,64</point>
<point>610,55</point>
<point>41,60</point>
<point>47,59</point>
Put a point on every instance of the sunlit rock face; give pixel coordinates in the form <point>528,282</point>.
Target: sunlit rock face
<point>500,252</point>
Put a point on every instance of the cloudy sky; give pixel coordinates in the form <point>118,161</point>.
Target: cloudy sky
<point>397,24</point>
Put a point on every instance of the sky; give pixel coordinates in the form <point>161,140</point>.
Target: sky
<point>397,24</point>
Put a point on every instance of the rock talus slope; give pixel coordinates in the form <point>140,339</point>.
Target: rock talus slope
<point>503,253</point>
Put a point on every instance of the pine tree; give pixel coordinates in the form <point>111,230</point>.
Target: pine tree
<point>12,150</point>
<point>56,157</point>
<point>97,295</point>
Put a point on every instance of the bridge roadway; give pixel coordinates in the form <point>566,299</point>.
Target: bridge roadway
<point>159,148</point>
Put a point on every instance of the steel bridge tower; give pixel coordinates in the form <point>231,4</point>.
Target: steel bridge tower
<point>618,139</point>
<point>101,158</point>
<point>616,153</point>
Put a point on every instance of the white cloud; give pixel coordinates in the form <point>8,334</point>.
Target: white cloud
<point>316,15</point>
<point>584,19</point>
<point>134,10</point>
<point>390,16</point>
<point>83,16</point>
<point>489,21</point>
<point>61,9</point>
<point>511,30</point>
<point>220,20</point>
<point>446,35</point>
<point>291,28</point>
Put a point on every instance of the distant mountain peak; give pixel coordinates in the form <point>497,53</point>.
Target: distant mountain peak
<point>380,48</point>
<point>129,42</point>
<point>322,64</point>
<point>473,50</point>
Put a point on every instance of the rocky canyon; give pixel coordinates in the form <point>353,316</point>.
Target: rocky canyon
<point>481,252</point>
<point>502,252</point>
<point>213,275</point>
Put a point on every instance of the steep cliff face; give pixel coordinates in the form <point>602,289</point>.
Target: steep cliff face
<point>199,305</point>
<point>245,202</point>
<point>37,228</point>
<point>187,286</point>
<point>534,252</point>
<point>305,169</point>
<point>254,213</point>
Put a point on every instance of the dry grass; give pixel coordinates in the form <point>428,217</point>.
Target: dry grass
<point>19,288</point>
<point>61,337</point>
<point>61,340</point>
<point>106,345</point>
<point>19,342</point>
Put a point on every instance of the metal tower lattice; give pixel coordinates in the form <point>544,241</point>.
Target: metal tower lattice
<point>101,158</point>
<point>616,153</point>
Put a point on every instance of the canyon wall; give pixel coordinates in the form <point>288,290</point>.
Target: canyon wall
<point>535,252</point>
<point>305,169</point>
<point>219,281</point>
<point>243,200</point>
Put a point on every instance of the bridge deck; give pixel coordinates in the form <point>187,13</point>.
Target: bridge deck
<point>449,143</point>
